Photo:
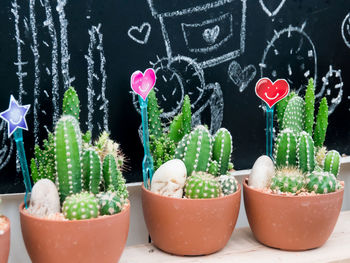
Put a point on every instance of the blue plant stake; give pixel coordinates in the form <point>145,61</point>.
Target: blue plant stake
<point>142,84</point>
<point>269,130</point>
<point>15,118</point>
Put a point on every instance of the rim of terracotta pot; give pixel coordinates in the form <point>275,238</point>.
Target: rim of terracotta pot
<point>193,200</point>
<point>21,210</point>
<point>245,185</point>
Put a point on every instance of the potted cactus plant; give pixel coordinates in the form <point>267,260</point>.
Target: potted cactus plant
<point>193,202</point>
<point>293,202</point>
<point>78,211</point>
<point>4,238</point>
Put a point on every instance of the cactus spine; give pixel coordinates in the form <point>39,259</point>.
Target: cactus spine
<point>321,182</point>
<point>91,165</point>
<point>306,152</point>
<point>321,123</point>
<point>222,149</point>
<point>187,115</point>
<point>228,184</point>
<point>80,206</point>
<point>281,107</point>
<point>293,117</point>
<point>68,152</point>
<point>289,180</point>
<point>71,103</point>
<point>332,162</point>
<point>286,148</point>
<point>309,107</point>
<point>195,150</point>
<point>202,185</point>
<point>154,122</point>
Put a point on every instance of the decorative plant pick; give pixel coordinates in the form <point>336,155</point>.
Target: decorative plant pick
<point>271,93</point>
<point>142,84</point>
<point>15,118</point>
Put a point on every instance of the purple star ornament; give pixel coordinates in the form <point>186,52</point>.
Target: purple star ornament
<point>15,116</point>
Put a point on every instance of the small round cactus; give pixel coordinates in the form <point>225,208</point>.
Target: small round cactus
<point>80,206</point>
<point>321,182</point>
<point>110,203</point>
<point>332,162</point>
<point>228,184</point>
<point>288,180</point>
<point>202,185</point>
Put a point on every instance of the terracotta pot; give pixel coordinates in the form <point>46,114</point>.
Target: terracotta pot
<point>5,243</point>
<point>292,222</point>
<point>190,226</point>
<point>93,240</point>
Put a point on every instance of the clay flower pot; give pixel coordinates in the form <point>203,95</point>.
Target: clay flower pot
<point>291,222</point>
<point>93,240</point>
<point>5,241</point>
<point>190,226</point>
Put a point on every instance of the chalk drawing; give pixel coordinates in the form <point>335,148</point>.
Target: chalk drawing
<point>6,145</point>
<point>140,34</point>
<point>36,57</point>
<point>293,46</point>
<point>345,30</point>
<point>332,88</point>
<point>241,77</point>
<point>210,34</point>
<point>274,12</point>
<point>96,44</point>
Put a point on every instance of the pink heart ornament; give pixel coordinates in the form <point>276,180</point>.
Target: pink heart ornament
<point>143,83</point>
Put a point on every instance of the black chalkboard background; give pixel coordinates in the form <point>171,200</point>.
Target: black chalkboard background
<point>212,43</point>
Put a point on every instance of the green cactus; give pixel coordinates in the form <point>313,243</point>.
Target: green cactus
<point>162,150</point>
<point>222,149</point>
<point>286,148</point>
<point>321,123</point>
<point>228,184</point>
<point>294,115</point>
<point>321,153</point>
<point>306,152</point>
<point>289,180</point>
<point>104,146</point>
<point>91,165</point>
<point>195,150</point>
<point>309,107</point>
<point>68,151</point>
<point>332,163</point>
<point>213,168</point>
<point>176,130</point>
<point>281,107</point>
<point>202,185</point>
<point>80,206</point>
<point>187,115</point>
<point>154,122</point>
<point>321,182</point>
<point>110,203</point>
<point>71,103</point>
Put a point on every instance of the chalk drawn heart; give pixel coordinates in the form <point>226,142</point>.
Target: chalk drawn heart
<point>270,92</point>
<point>240,77</point>
<point>211,34</point>
<point>138,34</point>
<point>142,84</point>
<point>274,12</point>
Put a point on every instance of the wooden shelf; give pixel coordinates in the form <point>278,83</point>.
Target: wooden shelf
<point>242,247</point>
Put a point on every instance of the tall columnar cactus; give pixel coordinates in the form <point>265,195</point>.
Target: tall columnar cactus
<point>321,182</point>
<point>281,107</point>
<point>332,162</point>
<point>68,152</point>
<point>321,123</point>
<point>187,115</point>
<point>309,107</point>
<point>80,206</point>
<point>71,103</point>
<point>289,180</point>
<point>306,152</point>
<point>294,114</point>
<point>195,150</point>
<point>222,149</point>
<point>286,149</point>
<point>91,165</point>
<point>202,185</point>
<point>154,122</point>
<point>176,129</point>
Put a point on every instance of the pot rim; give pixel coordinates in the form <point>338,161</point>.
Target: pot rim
<point>238,192</point>
<point>124,211</point>
<point>7,220</point>
<point>245,185</point>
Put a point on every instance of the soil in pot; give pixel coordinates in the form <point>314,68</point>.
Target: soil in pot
<point>4,239</point>
<point>100,239</point>
<point>190,226</point>
<point>292,222</point>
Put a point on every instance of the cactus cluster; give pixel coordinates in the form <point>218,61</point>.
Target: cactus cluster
<point>79,206</point>
<point>202,185</point>
<point>110,202</point>
<point>299,146</point>
<point>228,183</point>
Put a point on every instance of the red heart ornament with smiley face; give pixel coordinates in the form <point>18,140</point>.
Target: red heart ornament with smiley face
<point>271,92</point>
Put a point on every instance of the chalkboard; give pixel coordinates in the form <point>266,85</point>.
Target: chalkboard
<point>214,50</point>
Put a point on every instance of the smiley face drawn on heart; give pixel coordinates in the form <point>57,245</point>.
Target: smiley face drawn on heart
<point>271,92</point>
<point>211,34</point>
<point>143,83</point>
